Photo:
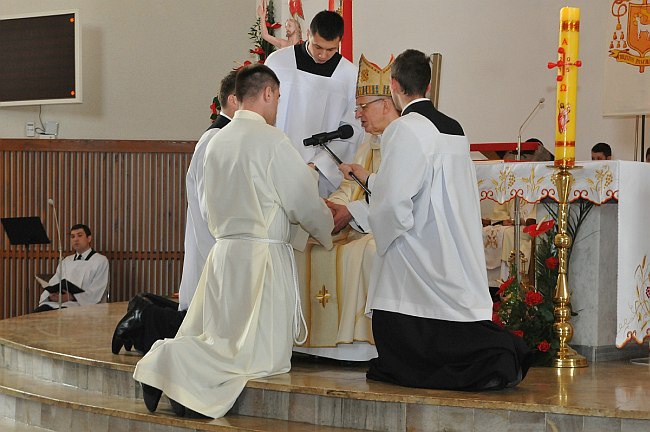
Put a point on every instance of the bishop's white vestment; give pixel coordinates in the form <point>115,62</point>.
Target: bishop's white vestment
<point>242,321</point>
<point>334,284</point>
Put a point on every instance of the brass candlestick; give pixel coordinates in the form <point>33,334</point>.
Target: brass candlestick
<point>566,356</point>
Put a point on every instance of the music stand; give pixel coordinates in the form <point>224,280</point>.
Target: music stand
<point>25,231</point>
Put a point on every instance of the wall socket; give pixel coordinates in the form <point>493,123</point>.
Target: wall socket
<point>51,128</point>
<point>29,129</point>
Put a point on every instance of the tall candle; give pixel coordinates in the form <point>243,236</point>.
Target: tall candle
<point>567,84</point>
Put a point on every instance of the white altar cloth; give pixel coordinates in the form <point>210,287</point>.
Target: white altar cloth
<point>628,184</point>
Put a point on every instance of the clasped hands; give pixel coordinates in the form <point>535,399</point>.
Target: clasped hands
<point>340,212</point>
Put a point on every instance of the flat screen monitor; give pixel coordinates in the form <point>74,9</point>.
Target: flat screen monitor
<point>40,58</point>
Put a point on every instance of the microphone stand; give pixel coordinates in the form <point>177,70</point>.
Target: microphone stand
<point>517,216</point>
<point>58,233</point>
<point>339,161</point>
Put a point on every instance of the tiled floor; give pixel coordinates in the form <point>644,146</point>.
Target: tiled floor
<point>609,389</point>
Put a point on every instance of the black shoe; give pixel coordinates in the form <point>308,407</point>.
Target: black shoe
<point>132,320</point>
<point>139,301</point>
<point>182,411</point>
<point>178,408</point>
<point>151,396</point>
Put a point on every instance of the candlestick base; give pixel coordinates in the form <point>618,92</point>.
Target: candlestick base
<point>569,359</point>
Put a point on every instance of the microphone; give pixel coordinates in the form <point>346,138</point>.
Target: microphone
<point>50,202</point>
<point>344,132</point>
<point>539,104</point>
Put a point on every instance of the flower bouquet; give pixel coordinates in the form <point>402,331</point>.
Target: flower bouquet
<point>527,310</point>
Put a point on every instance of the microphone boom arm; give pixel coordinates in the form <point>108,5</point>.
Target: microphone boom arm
<point>339,161</point>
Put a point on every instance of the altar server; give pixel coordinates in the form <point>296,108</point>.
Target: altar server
<point>428,295</point>
<point>86,268</point>
<point>245,314</point>
<point>318,92</point>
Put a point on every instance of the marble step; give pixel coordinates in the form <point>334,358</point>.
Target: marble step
<point>8,425</point>
<point>110,379</point>
<point>263,399</point>
<point>32,402</point>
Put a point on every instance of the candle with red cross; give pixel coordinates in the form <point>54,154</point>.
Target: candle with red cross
<point>567,84</point>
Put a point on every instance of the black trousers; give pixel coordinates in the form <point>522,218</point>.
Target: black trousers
<point>161,319</point>
<point>437,354</point>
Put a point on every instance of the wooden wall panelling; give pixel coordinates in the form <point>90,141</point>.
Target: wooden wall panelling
<point>130,193</point>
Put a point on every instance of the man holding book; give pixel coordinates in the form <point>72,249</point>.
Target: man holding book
<point>80,279</point>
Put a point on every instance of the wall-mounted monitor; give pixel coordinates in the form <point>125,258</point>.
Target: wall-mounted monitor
<point>40,58</point>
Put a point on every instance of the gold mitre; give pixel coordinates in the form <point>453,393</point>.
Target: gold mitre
<point>373,80</point>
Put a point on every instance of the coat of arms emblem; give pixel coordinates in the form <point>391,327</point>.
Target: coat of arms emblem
<point>635,38</point>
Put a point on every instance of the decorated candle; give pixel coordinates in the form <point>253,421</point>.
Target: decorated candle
<point>567,83</point>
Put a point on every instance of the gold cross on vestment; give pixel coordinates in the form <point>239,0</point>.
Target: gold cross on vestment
<point>323,296</point>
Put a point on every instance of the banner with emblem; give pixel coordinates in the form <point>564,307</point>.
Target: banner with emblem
<point>627,65</point>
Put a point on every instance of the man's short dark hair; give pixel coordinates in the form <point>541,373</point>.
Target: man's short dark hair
<point>603,148</point>
<point>412,70</point>
<point>227,87</point>
<point>83,227</point>
<point>329,25</point>
<point>252,79</point>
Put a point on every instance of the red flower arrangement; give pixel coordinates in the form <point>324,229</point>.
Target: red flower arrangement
<point>533,298</point>
<point>540,228</point>
<point>528,311</point>
<point>505,285</point>
<point>544,346</point>
<point>215,108</point>
<point>552,263</point>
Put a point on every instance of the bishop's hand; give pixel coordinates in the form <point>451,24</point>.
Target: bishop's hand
<point>359,171</point>
<point>341,215</point>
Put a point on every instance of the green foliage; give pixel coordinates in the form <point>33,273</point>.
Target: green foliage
<point>262,48</point>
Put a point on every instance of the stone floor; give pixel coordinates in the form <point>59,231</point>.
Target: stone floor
<point>604,396</point>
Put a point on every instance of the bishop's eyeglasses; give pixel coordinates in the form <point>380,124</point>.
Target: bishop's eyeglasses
<point>363,106</point>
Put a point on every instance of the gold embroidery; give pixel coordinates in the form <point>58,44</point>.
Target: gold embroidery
<point>533,184</point>
<point>323,296</point>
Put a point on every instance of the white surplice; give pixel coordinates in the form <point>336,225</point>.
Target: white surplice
<point>240,324</point>
<point>312,104</point>
<point>91,276</point>
<point>198,239</point>
<point>430,261</point>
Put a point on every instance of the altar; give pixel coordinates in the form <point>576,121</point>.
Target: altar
<point>609,270</point>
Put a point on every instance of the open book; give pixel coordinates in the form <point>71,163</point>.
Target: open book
<point>65,286</point>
